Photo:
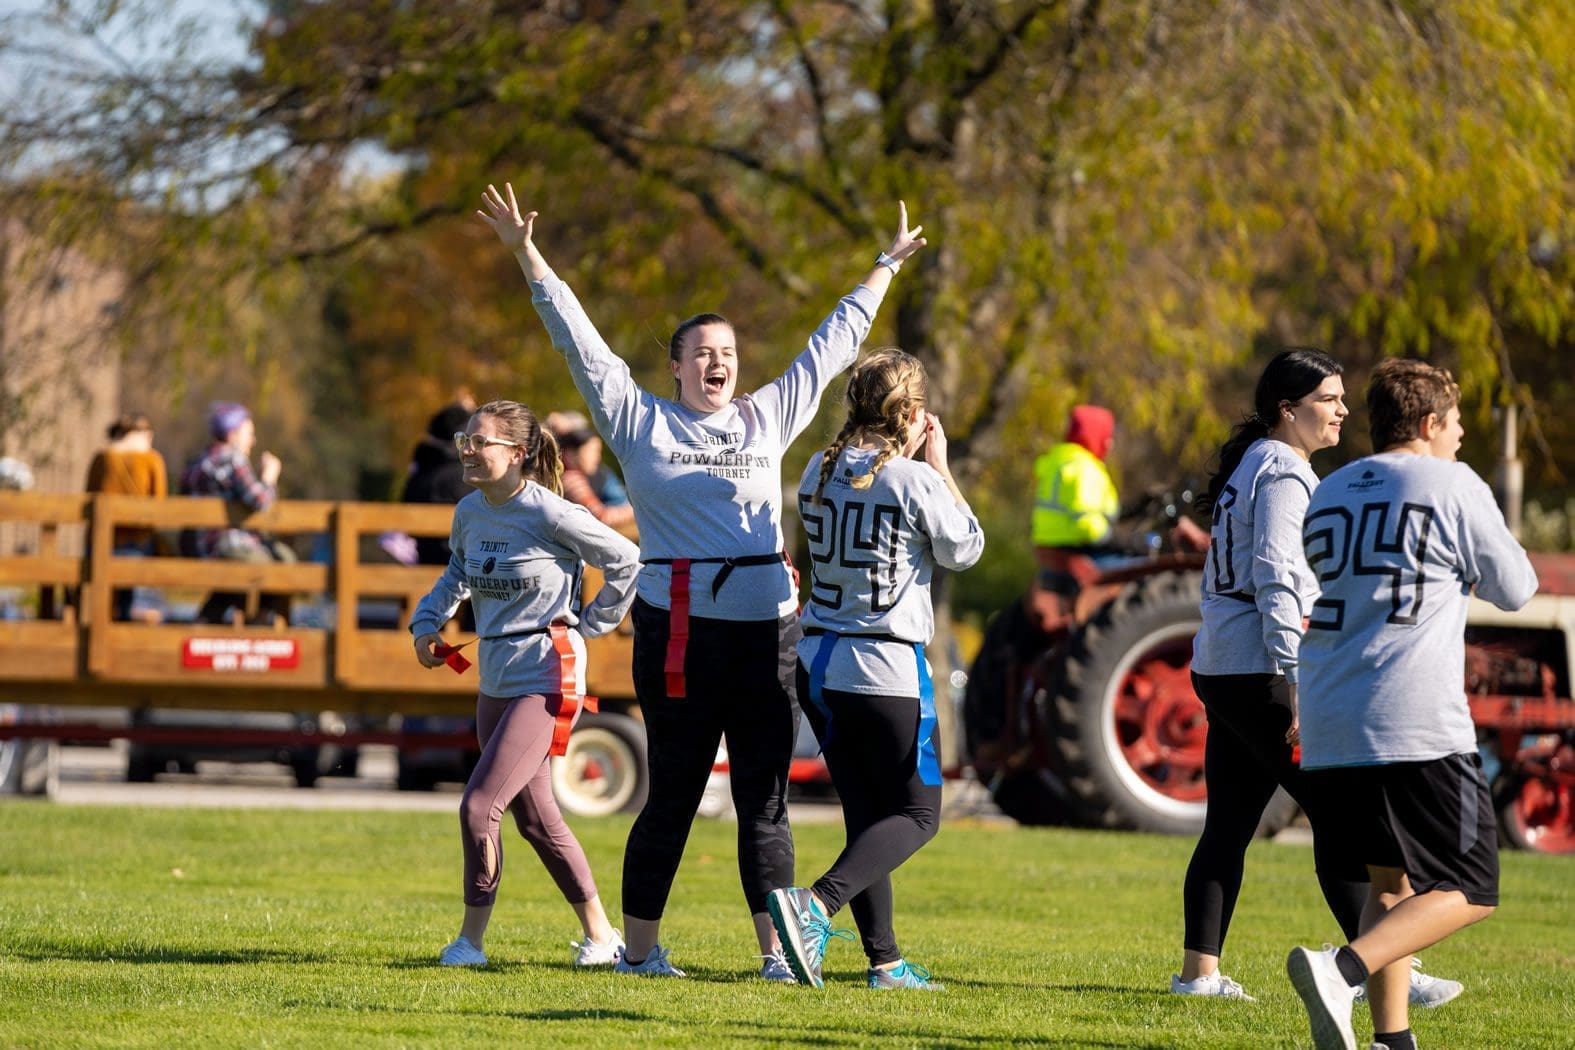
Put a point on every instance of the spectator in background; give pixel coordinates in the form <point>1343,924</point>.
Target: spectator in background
<point>130,466</point>
<point>586,479</point>
<point>225,470</point>
<point>437,475</point>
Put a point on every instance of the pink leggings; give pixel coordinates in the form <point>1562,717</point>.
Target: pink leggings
<point>515,736</point>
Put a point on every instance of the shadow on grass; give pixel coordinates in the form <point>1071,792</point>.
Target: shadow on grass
<point>736,1032</point>
<point>1076,988</point>
<point>146,953</point>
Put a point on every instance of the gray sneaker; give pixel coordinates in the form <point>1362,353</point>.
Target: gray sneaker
<point>804,929</point>
<point>1327,997</point>
<point>654,965</point>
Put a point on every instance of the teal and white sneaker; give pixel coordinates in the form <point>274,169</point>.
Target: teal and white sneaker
<point>776,968</point>
<point>462,953</point>
<point>804,929</point>
<point>598,953</point>
<point>904,975</point>
<point>656,964</point>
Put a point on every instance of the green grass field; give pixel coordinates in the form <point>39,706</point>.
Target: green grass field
<point>152,927</point>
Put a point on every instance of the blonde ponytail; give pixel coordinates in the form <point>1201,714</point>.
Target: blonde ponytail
<point>883,390</point>
<point>548,469</point>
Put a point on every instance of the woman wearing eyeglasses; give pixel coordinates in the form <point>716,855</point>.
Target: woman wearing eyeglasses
<point>517,552</point>
<point>715,623</point>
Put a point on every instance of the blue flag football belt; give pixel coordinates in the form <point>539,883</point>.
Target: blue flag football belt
<point>929,764</point>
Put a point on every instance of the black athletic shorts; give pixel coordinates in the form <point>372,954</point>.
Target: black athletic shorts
<point>1433,819</point>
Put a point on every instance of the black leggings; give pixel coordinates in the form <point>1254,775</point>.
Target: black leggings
<point>740,682</point>
<point>1245,759</point>
<point>888,811</point>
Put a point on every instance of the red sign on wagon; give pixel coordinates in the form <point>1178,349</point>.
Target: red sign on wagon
<point>240,654</point>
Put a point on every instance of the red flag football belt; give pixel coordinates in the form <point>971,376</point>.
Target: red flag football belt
<point>678,596</point>
<point>569,698</point>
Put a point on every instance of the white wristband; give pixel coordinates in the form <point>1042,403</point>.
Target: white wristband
<point>887,261</point>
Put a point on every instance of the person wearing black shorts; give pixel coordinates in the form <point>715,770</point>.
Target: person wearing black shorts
<point>1399,542</point>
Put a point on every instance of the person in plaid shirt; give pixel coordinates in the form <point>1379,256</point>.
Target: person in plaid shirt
<point>225,471</point>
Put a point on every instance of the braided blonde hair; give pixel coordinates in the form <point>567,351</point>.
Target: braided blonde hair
<point>883,390</point>
<point>517,423</point>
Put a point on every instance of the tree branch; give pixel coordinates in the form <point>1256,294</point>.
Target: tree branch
<point>730,228</point>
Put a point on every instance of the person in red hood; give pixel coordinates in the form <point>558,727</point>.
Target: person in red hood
<point>1075,505</point>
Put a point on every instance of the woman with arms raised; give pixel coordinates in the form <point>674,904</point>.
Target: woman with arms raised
<point>715,620</point>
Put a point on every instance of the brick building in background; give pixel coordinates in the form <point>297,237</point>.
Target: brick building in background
<point>60,375</point>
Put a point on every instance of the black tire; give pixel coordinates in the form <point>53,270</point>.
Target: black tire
<point>1011,644</point>
<point>305,768</point>
<point>141,765</point>
<point>411,778</point>
<point>1143,770</point>
<point>605,770</point>
<point>1035,797</point>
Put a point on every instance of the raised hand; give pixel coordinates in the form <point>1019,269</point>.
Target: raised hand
<point>907,241</point>
<point>512,228</point>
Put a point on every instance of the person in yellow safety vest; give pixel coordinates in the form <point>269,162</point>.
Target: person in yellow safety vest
<point>1075,509</point>
<point>1076,504</point>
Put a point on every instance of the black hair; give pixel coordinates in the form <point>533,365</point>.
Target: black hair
<point>1289,377</point>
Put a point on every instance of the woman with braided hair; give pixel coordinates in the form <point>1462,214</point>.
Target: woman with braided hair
<point>517,551</point>
<point>716,617</point>
<point>878,525</point>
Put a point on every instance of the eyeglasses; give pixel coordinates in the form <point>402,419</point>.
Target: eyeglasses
<point>477,442</point>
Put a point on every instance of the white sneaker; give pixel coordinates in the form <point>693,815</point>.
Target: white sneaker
<point>1326,995</point>
<point>1215,984</point>
<point>593,953</point>
<point>776,968</point>
<point>1426,991</point>
<point>654,965</point>
<point>462,953</point>
<point>1431,991</point>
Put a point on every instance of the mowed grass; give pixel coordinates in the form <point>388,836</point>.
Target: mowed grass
<point>155,927</point>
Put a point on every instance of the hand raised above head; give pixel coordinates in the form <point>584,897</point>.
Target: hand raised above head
<point>907,241</point>
<point>503,215</point>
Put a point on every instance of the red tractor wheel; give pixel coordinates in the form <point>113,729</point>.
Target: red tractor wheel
<point>1132,730</point>
<point>1539,810</point>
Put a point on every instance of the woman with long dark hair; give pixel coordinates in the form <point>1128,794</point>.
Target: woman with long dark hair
<point>1257,589</point>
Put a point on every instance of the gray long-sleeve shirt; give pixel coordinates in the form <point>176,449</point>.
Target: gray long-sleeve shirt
<point>1256,584</point>
<point>706,486</point>
<point>1399,542</point>
<point>520,565</point>
<point>874,552</point>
